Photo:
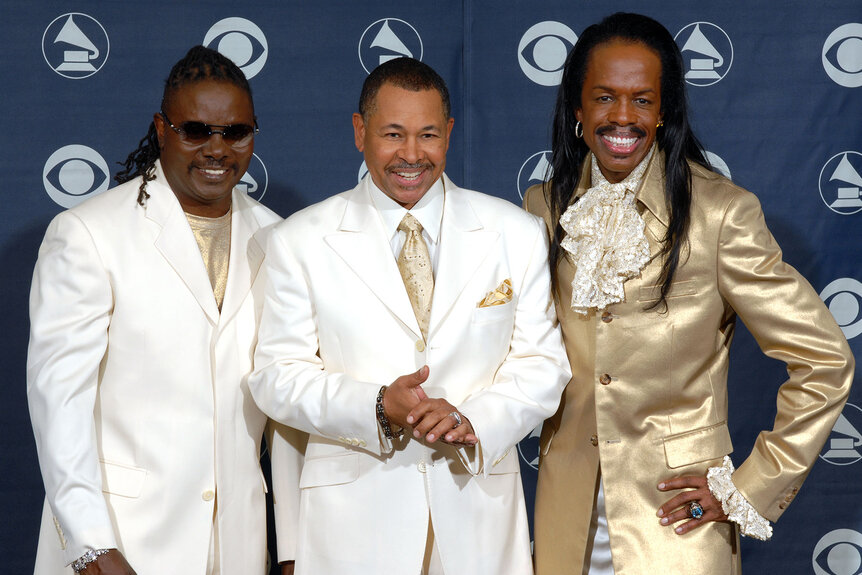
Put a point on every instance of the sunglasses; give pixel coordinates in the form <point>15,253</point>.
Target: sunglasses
<point>197,133</point>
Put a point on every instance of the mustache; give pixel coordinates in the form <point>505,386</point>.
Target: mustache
<point>640,132</point>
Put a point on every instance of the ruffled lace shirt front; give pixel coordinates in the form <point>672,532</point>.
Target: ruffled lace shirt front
<point>605,238</point>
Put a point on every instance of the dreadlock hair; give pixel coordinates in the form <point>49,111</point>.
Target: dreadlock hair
<point>407,74</point>
<point>200,63</point>
<point>675,139</point>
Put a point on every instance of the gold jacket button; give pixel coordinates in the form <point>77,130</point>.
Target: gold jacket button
<point>421,466</point>
<point>605,379</point>
<point>420,345</point>
<point>594,439</point>
<point>607,317</point>
<point>782,505</point>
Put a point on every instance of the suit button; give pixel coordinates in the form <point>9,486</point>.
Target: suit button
<point>208,495</point>
<point>362,443</point>
<point>420,345</point>
<point>607,317</point>
<point>421,466</point>
<point>594,439</point>
<point>605,379</point>
<point>782,505</point>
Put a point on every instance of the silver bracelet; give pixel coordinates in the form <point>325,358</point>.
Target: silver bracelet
<point>81,562</point>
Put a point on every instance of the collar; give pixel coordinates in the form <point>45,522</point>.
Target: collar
<point>428,210</point>
<point>650,194</point>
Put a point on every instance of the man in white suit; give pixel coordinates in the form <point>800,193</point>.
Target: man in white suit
<point>144,310</point>
<point>415,356</point>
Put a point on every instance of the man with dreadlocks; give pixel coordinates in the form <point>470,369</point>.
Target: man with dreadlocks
<point>653,256</point>
<point>143,315</point>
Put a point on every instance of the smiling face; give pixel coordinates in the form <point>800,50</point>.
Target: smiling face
<point>203,176</point>
<point>404,138</point>
<point>620,105</point>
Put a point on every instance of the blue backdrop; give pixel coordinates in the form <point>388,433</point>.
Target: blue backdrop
<point>776,96</point>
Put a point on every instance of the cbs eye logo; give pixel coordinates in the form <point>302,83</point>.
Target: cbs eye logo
<point>74,173</point>
<point>255,180</point>
<point>842,55</point>
<point>240,40</point>
<point>528,448</point>
<point>843,297</point>
<point>839,552</point>
<point>542,52</point>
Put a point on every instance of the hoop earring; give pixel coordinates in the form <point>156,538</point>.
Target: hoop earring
<point>579,130</point>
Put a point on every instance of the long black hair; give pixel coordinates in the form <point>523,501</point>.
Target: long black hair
<point>200,63</point>
<point>675,139</point>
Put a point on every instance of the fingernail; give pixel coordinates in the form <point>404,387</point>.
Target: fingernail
<point>416,433</point>
<point>430,437</point>
<point>661,485</point>
<point>449,438</point>
<point>660,512</point>
<point>663,521</point>
<point>409,419</point>
<point>678,530</point>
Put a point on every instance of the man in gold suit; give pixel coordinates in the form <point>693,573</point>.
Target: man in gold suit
<point>653,256</point>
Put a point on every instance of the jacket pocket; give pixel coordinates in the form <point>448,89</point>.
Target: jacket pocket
<point>677,289</point>
<point>702,444</point>
<point>329,471</point>
<point>122,480</point>
<point>493,313</point>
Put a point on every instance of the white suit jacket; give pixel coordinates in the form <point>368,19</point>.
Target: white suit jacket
<point>137,391</point>
<point>337,324</point>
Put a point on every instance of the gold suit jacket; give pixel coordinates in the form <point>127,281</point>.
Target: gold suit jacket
<point>662,412</point>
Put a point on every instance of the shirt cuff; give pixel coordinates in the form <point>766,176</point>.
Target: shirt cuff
<point>751,523</point>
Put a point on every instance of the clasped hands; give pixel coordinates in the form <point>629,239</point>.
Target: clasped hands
<point>406,404</point>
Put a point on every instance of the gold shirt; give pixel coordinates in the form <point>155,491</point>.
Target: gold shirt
<point>213,237</point>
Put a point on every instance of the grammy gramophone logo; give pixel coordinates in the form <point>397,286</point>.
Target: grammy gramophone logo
<point>707,51</point>
<point>75,45</point>
<point>844,446</point>
<point>387,39</point>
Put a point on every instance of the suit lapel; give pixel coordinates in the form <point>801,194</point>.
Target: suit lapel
<point>464,245</point>
<point>177,244</point>
<point>362,243</point>
<point>246,256</point>
<point>651,197</point>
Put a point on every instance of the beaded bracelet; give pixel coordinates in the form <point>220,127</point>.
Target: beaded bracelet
<point>91,555</point>
<point>381,416</point>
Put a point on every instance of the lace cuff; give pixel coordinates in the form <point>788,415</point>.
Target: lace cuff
<point>738,510</point>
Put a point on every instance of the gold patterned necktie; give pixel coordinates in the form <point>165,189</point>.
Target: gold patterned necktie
<point>414,263</point>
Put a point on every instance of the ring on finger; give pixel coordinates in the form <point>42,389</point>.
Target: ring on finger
<point>457,417</point>
<point>695,509</point>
